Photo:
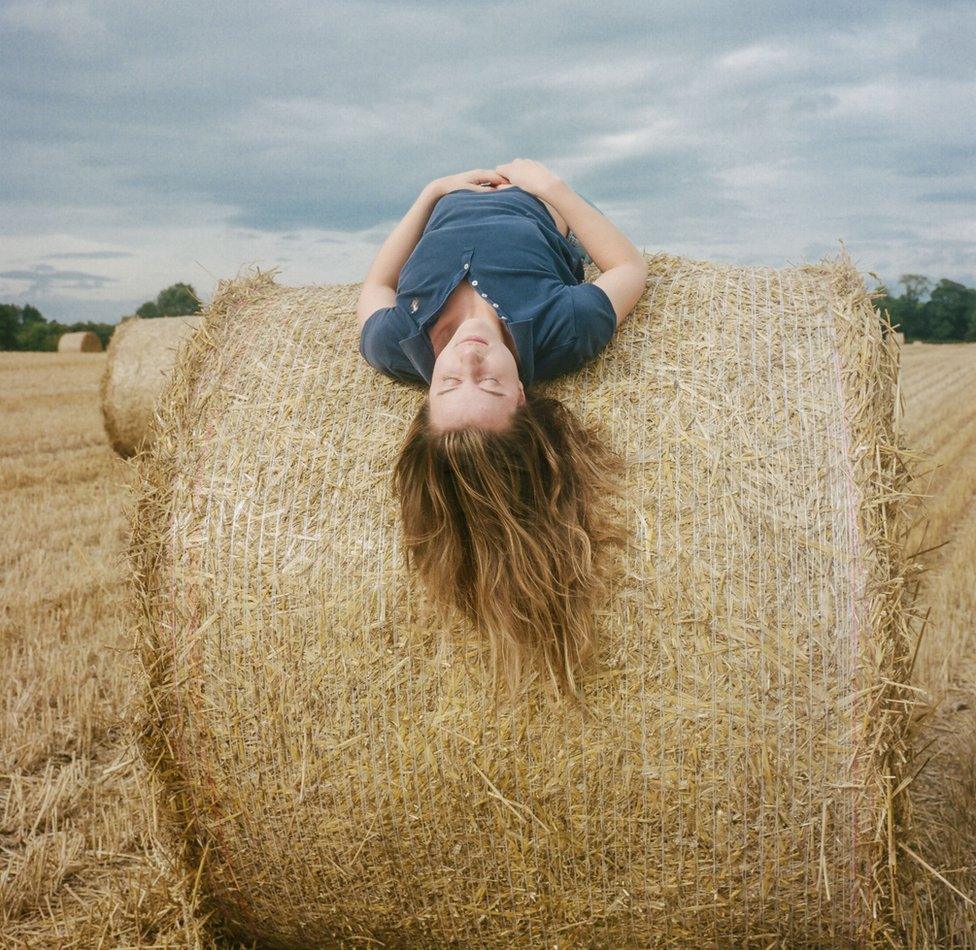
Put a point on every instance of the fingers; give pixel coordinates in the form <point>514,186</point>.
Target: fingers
<point>488,174</point>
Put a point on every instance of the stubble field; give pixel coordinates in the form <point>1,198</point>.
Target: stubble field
<point>77,862</point>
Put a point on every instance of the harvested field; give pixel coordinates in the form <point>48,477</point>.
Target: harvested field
<point>78,867</point>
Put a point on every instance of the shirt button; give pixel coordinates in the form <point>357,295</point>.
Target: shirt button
<point>466,266</point>
<point>495,305</point>
<point>484,295</point>
<point>474,283</point>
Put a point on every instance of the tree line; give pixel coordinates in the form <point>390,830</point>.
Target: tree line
<point>948,316</point>
<point>25,328</point>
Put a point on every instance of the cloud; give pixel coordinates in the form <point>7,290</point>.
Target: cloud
<point>42,279</point>
<point>961,196</point>
<point>812,102</point>
<point>758,58</point>
<point>89,255</point>
<point>70,22</point>
<point>174,142</point>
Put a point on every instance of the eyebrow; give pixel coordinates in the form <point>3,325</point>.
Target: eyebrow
<point>450,389</point>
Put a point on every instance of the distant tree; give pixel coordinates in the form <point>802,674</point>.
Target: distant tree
<point>26,328</point>
<point>949,311</point>
<point>23,328</point>
<point>31,315</point>
<point>907,310</point>
<point>948,315</point>
<point>901,313</point>
<point>911,318</point>
<point>177,301</point>
<point>9,324</point>
<point>916,286</point>
<point>38,335</point>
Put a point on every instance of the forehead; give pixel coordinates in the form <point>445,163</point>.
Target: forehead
<point>495,417</point>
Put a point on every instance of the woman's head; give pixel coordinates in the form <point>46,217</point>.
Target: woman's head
<point>506,525</point>
<point>475,380</point>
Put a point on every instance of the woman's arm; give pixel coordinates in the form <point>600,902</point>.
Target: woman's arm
<point>399,245</point>
<point>604,241</point>
<point>379,284</point>
<point>623,276</point>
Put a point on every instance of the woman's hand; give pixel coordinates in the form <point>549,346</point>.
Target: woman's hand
<point>529,175</point>
<point>478,179</point>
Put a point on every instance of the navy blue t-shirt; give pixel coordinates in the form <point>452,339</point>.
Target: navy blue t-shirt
<point>506,244</point>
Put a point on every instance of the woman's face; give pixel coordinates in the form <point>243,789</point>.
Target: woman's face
<point>475,381</point>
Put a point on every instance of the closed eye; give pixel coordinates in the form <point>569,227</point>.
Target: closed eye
<point>493,392</point>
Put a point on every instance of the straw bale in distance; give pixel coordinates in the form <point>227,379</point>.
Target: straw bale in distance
<point>327,754</point>
<point>140,358</point>
<point>83,341</point>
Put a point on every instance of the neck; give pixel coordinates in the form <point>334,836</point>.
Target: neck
<point>442,331</point>
<point>462,303</point>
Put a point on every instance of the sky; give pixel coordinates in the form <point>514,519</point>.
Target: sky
<point>143,144</point>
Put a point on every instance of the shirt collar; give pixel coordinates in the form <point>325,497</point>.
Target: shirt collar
<point>417,346</point>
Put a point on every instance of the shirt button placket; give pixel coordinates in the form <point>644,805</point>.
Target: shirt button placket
<point>474,283</point>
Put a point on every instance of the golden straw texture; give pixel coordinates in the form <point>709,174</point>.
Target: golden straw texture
<point>327,755</point>
<point>140,357</point>
<point>84,341</point>
<point>940,898</point>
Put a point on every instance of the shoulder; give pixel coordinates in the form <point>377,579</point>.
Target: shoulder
<point>588,322</point>
<point>379,345</point>
<point>596,319</point>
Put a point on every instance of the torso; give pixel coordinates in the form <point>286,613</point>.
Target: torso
<point>561,224</point>
<point>464,297</point>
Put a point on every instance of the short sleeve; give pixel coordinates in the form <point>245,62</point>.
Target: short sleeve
<point>379,347</point>
<point>371,339</point>
<point>595,318</point>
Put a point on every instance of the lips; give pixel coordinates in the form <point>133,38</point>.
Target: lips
<point>477,339</point>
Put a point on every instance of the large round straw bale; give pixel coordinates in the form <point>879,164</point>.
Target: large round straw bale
<point>84,341</point>
<point>329,757</point>
<point>140,358</point>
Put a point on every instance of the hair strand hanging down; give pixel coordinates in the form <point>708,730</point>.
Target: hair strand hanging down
<point>509,528</point>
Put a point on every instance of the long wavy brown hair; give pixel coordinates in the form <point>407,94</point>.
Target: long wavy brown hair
<point>512,529</point>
